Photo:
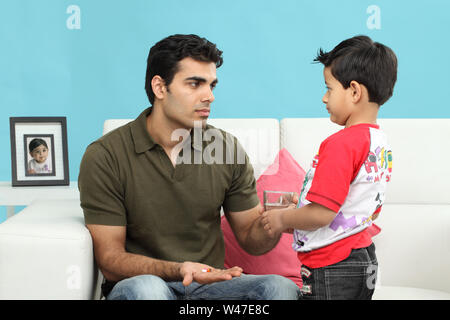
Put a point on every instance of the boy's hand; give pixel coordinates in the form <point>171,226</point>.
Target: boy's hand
<point>202,273</point>
<point>267,221</point>
<point>295,199</point>
<point>291,200</point>
<point>272,222</point>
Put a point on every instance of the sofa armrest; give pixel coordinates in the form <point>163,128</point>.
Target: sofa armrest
<point>46,252</point>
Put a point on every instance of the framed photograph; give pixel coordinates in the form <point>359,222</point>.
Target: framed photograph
<point>39,154</point>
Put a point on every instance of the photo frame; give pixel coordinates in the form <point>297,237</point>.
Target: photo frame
<point>39,154</point>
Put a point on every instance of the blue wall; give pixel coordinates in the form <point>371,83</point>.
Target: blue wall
<point>51,65</point>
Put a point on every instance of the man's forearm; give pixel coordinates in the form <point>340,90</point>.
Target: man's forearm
<point>120,265</point>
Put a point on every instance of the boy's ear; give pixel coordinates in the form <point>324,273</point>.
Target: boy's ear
<point>355,91</point>
<point>158,86</point>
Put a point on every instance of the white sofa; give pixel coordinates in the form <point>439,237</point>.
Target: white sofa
<point>46,251</point>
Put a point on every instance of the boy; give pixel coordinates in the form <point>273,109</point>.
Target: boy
<point>345,187</point>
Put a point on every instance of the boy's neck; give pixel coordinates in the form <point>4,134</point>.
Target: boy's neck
<point>367,112</point>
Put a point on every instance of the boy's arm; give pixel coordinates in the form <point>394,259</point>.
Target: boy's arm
<point>309,217</point>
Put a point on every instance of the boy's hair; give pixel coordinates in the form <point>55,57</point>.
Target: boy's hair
<point>360,59</point>
<point>164,56</point>
<point>36,143</point>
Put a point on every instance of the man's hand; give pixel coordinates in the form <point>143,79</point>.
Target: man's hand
<point>204,274</point>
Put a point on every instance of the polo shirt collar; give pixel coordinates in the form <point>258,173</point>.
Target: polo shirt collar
<point>143,141</point>
<point>141,138</point>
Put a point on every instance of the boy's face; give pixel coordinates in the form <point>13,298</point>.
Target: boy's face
<point>190,93</point>
<point>40,154</point>
<point>337,99</point>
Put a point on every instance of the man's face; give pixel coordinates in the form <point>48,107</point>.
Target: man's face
<point>190,95</point>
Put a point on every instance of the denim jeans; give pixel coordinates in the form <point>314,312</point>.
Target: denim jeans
<point>245,287</point>
<point>351,279</point>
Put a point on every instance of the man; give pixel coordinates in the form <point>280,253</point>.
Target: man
<point>155,222</point>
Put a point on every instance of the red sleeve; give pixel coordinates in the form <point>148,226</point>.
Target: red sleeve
<point>339,161</point>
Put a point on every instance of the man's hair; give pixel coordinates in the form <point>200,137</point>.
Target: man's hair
<point>164,56</point>
<point>367,62</point>
<point>36,143</point>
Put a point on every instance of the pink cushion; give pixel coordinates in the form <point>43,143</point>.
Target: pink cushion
<point>285,174</point>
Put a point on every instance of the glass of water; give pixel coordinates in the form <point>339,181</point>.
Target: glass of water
<point>277,199</point>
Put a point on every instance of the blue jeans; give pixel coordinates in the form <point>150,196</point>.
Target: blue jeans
<point>351,279</point>
<point>245,287</point>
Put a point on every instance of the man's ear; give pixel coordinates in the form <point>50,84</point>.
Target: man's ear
<point>356,91</point>
<point>159,87</point>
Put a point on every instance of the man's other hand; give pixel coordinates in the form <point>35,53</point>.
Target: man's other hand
<point>204,274</point>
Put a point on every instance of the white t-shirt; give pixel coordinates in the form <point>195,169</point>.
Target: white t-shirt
<point>44,167</point>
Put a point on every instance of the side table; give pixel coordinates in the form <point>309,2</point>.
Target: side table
<point>22,196</point>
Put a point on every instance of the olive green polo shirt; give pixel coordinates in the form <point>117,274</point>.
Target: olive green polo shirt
<point>171,213</point>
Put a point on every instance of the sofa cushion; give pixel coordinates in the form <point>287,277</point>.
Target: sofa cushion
<point>413,247</point>
<point>408,293</point>
<point>285,174</point>
<point>418,146</point>
<point>260,138</point>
